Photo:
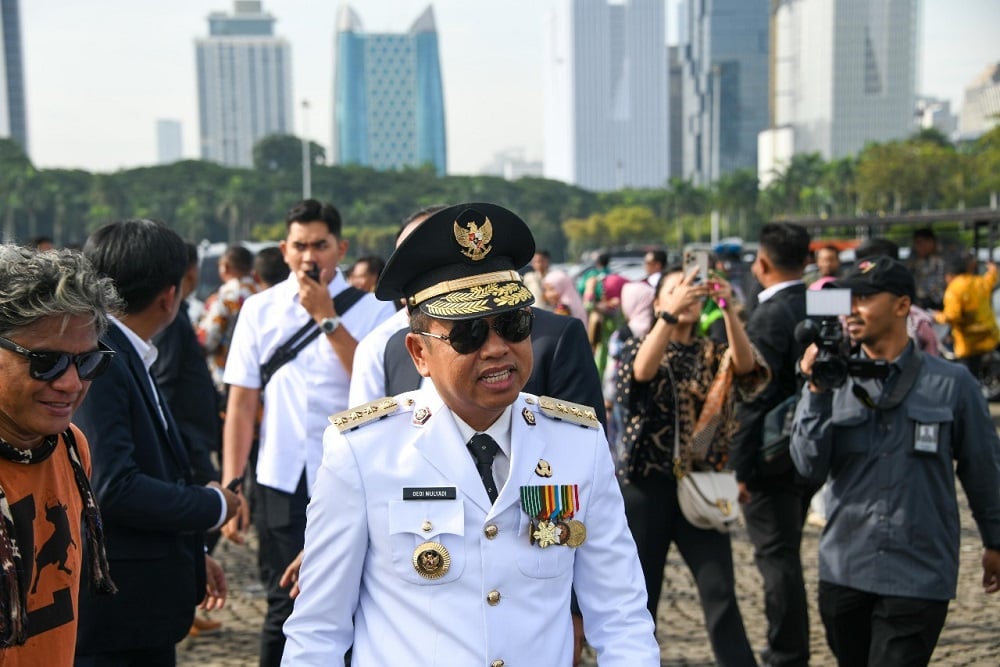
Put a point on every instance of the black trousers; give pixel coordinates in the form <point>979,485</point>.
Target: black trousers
<point>655,520</point>
<point>868,629</point>
<point>281,526</point>
<point>774,520</point>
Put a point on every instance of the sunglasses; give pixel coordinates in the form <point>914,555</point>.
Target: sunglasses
<point>467,336</point>
<point>48,366</point>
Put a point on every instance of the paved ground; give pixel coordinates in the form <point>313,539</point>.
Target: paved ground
<point>970,636</point>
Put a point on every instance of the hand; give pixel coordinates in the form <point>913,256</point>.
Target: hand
<point>313,295</point>
<point>685,294</point>
<point>744,495</point>
<point>235,529</point>
<point>290,577</point>
<point>233,500</point>
<point>215,585</point>
<point>991,570</point>
<point>721,292</point>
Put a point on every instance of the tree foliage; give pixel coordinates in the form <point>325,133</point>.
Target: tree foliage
<point>203,200</point>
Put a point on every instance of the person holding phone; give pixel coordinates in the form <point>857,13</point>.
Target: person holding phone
<point>299,397</point>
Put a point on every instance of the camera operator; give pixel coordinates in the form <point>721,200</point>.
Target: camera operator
<point>888,559</point>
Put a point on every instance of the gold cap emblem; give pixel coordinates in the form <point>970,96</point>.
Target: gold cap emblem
<point>475,240</point>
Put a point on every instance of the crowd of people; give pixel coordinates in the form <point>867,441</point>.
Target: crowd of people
<point>444,451</point>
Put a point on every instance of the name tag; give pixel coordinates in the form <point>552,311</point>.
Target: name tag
<point>429,493</point>
<point>925,440</point>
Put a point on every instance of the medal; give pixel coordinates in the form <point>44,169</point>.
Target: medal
<point>431,560</point>
<point>551,509</point>
<point>577,533</point>
<point>545,534</point>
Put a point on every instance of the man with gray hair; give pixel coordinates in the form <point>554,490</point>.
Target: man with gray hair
<point>53,308</point>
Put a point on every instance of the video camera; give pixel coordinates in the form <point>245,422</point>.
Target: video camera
<point>834,363</point>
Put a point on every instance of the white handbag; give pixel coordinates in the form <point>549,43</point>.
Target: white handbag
<point>708,499</point>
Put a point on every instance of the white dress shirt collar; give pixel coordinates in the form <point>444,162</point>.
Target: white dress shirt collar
<point>766,294</point>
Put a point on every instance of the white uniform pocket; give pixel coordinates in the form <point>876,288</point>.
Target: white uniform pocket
<point>536,562</point>
<point>414,522</point>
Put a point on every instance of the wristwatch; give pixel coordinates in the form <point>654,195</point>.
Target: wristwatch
<point>329,324</point>
<point>669,318</point>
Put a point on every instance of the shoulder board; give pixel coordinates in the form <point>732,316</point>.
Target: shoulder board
<point>365,413</point>
<point>583,415</point>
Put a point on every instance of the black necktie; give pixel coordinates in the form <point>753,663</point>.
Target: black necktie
<point>484,450</point>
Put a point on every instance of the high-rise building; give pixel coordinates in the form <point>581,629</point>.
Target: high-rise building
<point>981,104</point>
<point>388,106</point>
<point>933,113</point>
<point>724,60</point>
<point>845,74</point>
<point>13,114</point>
<point>168,141</point>
<point>605,87</point>
<point>244,84</point>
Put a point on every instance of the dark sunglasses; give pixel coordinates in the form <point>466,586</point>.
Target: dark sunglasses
<point>48,366</point>
<point>467,336</point>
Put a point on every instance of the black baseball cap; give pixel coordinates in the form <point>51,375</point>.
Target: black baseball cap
<point>879,274</point>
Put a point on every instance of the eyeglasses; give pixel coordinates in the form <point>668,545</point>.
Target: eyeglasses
<point>467,336</point>
<point>48,366</point>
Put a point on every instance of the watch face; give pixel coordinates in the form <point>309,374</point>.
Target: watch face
<point>329,325</point>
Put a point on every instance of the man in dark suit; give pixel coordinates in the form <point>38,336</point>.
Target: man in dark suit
<point>775,505</point>
<point>154,516</point>
<point>564,365</point>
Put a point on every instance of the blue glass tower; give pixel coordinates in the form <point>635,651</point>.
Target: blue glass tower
<point>388,98</point>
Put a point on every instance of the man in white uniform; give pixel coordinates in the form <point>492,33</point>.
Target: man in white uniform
<point>447,526</point>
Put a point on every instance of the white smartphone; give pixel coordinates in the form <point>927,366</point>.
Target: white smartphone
<point>699,258</point>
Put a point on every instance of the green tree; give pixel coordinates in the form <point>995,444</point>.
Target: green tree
<point>283,152</point>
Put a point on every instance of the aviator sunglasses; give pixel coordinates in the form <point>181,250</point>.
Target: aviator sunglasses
<point>48,366</point>
<point>467,336</point>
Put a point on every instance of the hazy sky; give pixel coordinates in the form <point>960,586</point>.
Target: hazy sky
<point>99,74</point>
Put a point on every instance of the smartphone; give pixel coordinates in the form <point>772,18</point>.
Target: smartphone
<point>313,272</point>
<point>699,258</point>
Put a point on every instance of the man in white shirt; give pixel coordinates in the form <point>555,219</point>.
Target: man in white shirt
<point>298,396</point>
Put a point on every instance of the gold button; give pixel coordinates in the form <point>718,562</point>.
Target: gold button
<point>493,597</point>
<point>426,526</point>
<point>491,531</point>
<point>497,663</point>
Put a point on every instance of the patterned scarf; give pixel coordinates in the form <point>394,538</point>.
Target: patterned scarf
<point>14,600</point>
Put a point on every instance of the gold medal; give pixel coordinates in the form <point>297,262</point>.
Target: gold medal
<point>431,560</point>
<point>577,533</point>
<point>546,534</point>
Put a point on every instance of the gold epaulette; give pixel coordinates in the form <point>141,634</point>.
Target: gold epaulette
<point>348,420</point>
<point>583,415</point>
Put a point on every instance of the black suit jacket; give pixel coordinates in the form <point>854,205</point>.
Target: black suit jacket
<point>154,519</point>
<point>185,383</point>
<point>563,363</point>
<point>771,329</point>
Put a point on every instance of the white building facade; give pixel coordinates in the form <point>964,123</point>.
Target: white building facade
<point>845,74</point>
<point>605,80</point>
<point>244,84</point>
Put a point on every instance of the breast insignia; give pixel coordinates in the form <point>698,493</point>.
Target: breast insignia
<point>570,412</point>
<point>348,420</point>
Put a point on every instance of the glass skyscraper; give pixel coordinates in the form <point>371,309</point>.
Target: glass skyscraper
<point>724,58</point>
<point>13,113</point>
<point>388,98</point>
<point>605,80</point>
<point>244,84</point>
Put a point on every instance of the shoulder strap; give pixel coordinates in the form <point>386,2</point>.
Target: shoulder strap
<point>305,335</point>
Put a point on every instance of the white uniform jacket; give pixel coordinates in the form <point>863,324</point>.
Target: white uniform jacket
<point>502,601</point>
